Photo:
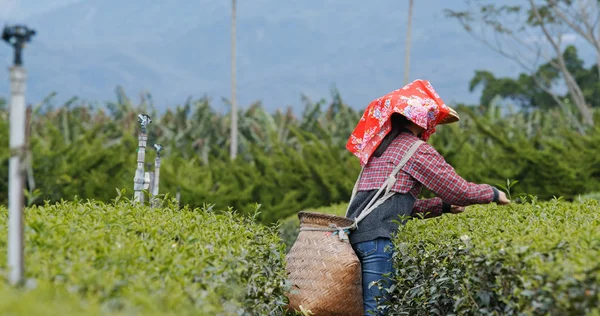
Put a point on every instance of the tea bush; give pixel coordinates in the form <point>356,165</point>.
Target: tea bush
<point>46,299</point>
<point>532,259</point>
<point>120,258</point>
<point>589,196</point>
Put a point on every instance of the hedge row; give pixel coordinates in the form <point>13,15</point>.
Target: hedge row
<point>287,164</point>
<point>90,257</point>
<point>535,258</point>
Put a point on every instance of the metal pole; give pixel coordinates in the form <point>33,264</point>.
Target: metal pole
<point>148,181</point>
<point>16,175</point>
<point>234,115</point>
<point>16,36</point>
<point>28,160</point>
<point>139,178</point>
<point>155,183</point>
<point>408,42</point>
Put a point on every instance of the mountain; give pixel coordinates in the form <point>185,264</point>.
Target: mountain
<point>175,49</point>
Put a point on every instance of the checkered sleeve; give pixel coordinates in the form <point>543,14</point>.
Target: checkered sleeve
<point>428,208</point>
<point>430,169</point>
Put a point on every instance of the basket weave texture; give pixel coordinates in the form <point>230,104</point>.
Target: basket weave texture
<point>324,271</point>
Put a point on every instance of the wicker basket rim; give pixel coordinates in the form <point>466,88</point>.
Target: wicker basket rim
<point>340,220</point>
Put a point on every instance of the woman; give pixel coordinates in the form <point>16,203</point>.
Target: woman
<point>389,127</point>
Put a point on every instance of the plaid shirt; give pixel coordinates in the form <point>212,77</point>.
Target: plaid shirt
<point>425,168</point>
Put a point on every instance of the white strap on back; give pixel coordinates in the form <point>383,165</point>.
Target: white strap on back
<point>387,185</point>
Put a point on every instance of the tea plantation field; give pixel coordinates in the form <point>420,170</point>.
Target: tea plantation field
<point>89,258</point>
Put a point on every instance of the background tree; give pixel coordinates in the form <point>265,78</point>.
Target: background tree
<point>526,93</point>
<point>533,32</point>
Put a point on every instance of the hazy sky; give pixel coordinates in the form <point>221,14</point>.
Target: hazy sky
<point>175,49</point>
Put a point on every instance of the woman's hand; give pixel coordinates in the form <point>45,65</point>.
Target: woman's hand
<point>455,209</point>
<point>502,199</point>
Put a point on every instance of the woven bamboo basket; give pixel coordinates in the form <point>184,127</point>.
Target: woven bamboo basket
<point>324,272</point>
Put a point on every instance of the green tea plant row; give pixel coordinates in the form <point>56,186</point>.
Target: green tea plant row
<point>87,257</point>
<point>533,258</point>
<point>285,162</point>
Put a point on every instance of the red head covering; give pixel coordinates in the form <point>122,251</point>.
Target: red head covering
<point>417,101</point>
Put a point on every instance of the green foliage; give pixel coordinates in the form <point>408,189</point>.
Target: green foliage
<point>283,182</point>
<point>548,68</point>
<point>44,299</point>
<point>589,196</point>
<point>122,258</point>
<point>525,92</point>
<point>285,163</point>
<point>537,259</point>
<point>546,156</point>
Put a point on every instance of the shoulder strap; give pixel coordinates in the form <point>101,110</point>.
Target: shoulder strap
<point>387,185</point>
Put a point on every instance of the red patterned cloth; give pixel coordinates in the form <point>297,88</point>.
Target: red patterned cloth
<point>417,101</point>
<point>425,168</point>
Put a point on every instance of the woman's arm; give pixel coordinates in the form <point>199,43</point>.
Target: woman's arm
<point>427,208</point>
<point>430,169</point>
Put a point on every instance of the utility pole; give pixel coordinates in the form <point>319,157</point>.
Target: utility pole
<point>408,42</point>
<point>234,117</point>
<point>16,36</point>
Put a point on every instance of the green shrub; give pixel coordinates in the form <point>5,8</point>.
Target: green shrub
<point>536,259</point>
<point>283,181</point>
<point>286,163</point>
<point>589,196</point>
<point>124,258</point>
<point>45,299</point>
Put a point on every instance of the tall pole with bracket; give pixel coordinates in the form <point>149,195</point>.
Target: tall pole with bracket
<point>16,36</point>
<point>139,178</point>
